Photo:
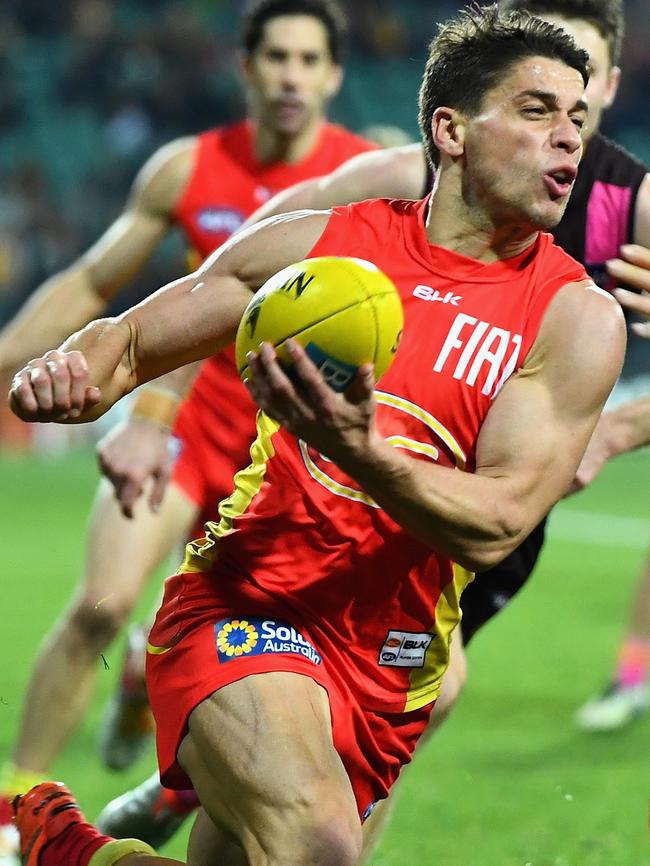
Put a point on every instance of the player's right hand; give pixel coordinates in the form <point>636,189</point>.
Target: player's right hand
<point>131,454</point>
<point>54,387</point>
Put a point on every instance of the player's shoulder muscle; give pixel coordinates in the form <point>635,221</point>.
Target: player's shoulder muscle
<point>162,179</point>
<point>581,340</point>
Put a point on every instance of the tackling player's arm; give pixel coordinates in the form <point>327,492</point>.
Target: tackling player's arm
<point>528,449</point>
<point>80,293</point>
<point>624,429</point>
<point>397,172</point>
<point>189,319</point>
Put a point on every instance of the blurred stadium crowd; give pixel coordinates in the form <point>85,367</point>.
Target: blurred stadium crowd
<point>89,88</point>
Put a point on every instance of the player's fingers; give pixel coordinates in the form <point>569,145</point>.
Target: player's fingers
<point>313,386</point>
<point>129,492</point>
<point>78,372</point>
<point>641,329</point>
<point>632,301</point>
<point>363,385</point>
<point>61,384</point>
<point>158,490</point>
<point>632,274</point>
<point>41,384</point>
<point>637,254</point>
<point>22,399</point>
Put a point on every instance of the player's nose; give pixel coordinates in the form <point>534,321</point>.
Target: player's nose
<point>566,135</point>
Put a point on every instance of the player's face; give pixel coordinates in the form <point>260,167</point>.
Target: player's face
<point>523,148</point>
<point>291,74</point>
<point>603,77</point>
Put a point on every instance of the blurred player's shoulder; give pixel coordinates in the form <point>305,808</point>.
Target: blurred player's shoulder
<point>396,172</point>
<point>162,179</point>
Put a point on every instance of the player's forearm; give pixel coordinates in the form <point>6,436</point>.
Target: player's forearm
<point>63,304</point>
<point>471,518</point>
<point>627,427</point>
<point>186,321</point>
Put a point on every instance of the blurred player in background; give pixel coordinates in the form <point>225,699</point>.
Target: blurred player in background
<point>206,185</point>
<point>278,767</point>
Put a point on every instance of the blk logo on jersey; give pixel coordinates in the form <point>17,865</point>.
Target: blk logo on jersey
<point>405,649</point>
<point>220,220</point>
<point>426,293</point>
<point>237,638</point>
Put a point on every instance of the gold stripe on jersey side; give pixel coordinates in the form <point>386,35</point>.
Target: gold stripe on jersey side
<point>428,419</point>
<point>154,650</point>
<point>426,681</point>
<point>200,554</point>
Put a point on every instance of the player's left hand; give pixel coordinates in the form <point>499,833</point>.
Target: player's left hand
<point>338,425</point>
<point>633,268</point>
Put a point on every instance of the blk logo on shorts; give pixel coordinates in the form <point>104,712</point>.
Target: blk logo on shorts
<point>236,638</point>
<point>405,649</point>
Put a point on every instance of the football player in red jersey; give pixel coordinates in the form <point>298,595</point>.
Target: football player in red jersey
<point>206,185</point>
<point>288,750</point>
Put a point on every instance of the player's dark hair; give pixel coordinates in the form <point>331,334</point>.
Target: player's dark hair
<point>606,16</point>
<point>259,12</point>
<point>474,51</point>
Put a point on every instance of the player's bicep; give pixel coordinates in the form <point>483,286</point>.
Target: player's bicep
<point>539,425</point>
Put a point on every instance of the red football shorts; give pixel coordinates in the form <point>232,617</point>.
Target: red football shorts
<point>208,634</point>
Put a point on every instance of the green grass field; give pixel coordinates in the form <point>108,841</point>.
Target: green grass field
<point>508,781</point>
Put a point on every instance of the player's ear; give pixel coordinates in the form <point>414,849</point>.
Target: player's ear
<point>613,80</point>
<point>448,128</point>
<point>334,80</point>
<point>245,66</point>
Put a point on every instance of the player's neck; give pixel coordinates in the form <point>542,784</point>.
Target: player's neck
<point>272,146</point>
<point>453,224</point>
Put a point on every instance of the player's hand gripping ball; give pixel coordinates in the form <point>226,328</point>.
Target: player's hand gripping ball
<point>344,312</point>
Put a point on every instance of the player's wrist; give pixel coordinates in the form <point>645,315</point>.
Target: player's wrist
<point>156,405</point>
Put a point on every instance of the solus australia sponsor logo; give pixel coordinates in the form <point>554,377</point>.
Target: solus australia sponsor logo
<point>237,638</point>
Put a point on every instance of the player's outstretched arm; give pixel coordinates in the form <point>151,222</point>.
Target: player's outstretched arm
<point>70,299</point>
<point>397,172</point>
<point>623,429</point>
<point>187,320</point>
<point>528,450</point>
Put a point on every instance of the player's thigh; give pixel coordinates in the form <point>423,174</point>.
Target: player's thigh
<point>121,552</point>
<point>260,755</point>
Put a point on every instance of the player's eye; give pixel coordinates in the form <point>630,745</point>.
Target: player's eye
<point>534,110</point>
<point>310,59</point>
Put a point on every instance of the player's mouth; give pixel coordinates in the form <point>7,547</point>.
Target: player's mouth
<point>559,181</point>
<point>289,109</point>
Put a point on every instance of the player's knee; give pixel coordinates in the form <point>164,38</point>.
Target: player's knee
<point>98,620</point>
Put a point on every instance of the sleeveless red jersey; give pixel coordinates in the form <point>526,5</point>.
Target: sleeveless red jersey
<point>229,183</point>
<point>300,531</point>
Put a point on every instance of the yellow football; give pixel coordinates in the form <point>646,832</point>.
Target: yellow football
<point>344,312</point>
